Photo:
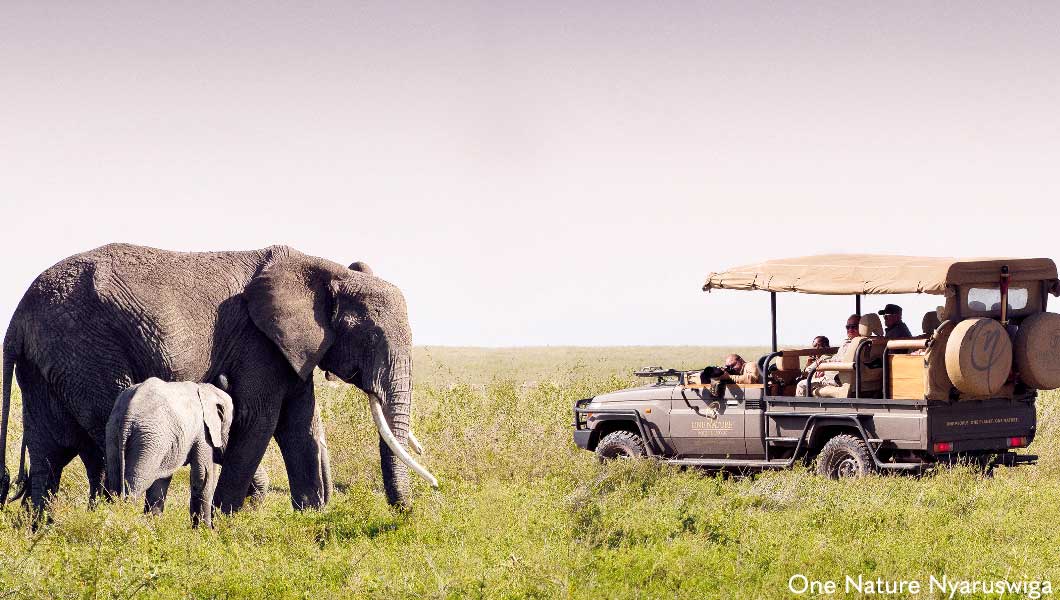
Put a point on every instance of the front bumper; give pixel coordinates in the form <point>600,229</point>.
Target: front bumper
<point>582,433</point>
<point>581,438</point>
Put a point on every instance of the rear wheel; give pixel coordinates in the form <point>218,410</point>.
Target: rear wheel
<point>621,444</point>
<point>845,456</point>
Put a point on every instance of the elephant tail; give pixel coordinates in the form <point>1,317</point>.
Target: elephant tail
<point>9,371</point>
<point>23,477</point>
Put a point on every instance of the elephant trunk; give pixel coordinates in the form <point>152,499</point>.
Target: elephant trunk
<point>391,414</point>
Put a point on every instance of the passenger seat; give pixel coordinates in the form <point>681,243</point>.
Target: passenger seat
<point>872,376</point>
<point>871,328</point>
<point>930,323</point>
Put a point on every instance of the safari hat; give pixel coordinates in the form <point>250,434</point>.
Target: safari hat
<point>891,309</point>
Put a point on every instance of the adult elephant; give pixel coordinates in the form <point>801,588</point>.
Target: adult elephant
<point>100,321</point>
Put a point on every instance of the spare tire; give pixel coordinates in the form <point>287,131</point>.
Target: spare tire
<point>1037,351</point>
<point>979,356</point>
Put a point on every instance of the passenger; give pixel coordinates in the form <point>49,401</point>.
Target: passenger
<point>830,378</point>
<point>892,320</point>
<point>738,370</point>
<point>819,342</point>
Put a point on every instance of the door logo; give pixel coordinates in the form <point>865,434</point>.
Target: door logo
<point>713,425</point>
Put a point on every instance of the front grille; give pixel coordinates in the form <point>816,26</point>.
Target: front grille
<point>752,405</point>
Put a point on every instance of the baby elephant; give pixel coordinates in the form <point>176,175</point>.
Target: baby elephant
<point>155,428</point>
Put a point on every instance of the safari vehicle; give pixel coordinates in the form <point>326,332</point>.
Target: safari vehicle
<point>966,388</point>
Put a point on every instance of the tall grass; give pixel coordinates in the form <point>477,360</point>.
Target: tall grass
<point>523,513</point>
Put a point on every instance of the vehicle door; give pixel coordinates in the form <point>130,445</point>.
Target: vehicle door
<point>707,425</point>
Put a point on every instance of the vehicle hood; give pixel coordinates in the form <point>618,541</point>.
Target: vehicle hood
<point>644,392</point>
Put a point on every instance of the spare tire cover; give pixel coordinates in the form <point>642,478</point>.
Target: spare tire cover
<point>978,356</point>
<point>1037,351</point>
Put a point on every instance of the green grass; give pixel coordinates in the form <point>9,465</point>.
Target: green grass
<point>523,513</point>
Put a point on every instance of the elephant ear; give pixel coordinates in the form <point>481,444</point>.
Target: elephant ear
<point>217,413</point>
<point>289,302</point>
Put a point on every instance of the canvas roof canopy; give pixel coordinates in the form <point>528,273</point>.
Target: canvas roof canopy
<point>846,274</point>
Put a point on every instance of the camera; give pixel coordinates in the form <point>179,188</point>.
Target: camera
<point>712,373</point>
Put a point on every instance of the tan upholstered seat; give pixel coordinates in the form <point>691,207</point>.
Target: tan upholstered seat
<point>930,322</point>
<point>788,370</point>
<point>870,325</point>
<point>871,329</point>
<point>846,378</point>
<point>789,363</point>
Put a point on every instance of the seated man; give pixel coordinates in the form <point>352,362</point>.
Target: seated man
<point>827,378</point>
<point>892,320</point>
<point>818,343</point>
<point>737,370</point>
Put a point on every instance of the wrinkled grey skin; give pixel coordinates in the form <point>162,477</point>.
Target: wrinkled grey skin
<point>155,428</point>
<point>100,321</point>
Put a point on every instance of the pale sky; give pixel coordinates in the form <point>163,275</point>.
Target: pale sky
<point>536,173</point>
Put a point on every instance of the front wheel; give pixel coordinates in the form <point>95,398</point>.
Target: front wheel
<point>845,456</point>
<point>620,444</point>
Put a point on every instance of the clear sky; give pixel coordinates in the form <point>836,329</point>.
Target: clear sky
<point>536,173</point>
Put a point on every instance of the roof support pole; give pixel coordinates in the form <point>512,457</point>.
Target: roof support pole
<point>773,314</point>
<point>857,304</point>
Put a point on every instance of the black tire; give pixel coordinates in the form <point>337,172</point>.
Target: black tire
<point>620,444</point>
<point>845,456</point>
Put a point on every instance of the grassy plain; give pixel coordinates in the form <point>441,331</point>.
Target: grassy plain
<point>523,513</point>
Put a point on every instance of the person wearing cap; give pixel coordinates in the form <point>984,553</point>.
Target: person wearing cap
<point>892,322</point>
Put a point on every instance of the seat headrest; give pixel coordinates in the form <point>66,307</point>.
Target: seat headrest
<point>930,322</point>
<point>870,325</point>
<point>789,363</point>
<point>850,350</point>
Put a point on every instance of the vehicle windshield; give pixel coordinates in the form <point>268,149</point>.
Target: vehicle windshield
<point>988,298</point>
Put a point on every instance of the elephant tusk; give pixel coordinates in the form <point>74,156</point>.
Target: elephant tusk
<point>415,444</point>
<point>393,443</point>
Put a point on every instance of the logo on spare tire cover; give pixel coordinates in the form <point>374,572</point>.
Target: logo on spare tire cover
<point>1051,357</point>
<point>986,350</point>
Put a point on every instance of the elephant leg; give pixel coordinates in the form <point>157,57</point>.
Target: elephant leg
<point>155,497</point>
<point>95,470</point>
<point>203,484</point>
<point>241,459</point>
<point>47,462</point>
<point>300,435</point>
<point>213,473</point>
<point>49,435</point>
<point>259,486</point>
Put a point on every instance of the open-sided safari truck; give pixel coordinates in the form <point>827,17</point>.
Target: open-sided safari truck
<point>966,388</point>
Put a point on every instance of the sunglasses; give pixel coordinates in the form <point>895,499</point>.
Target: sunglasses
<point>852,326</point>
